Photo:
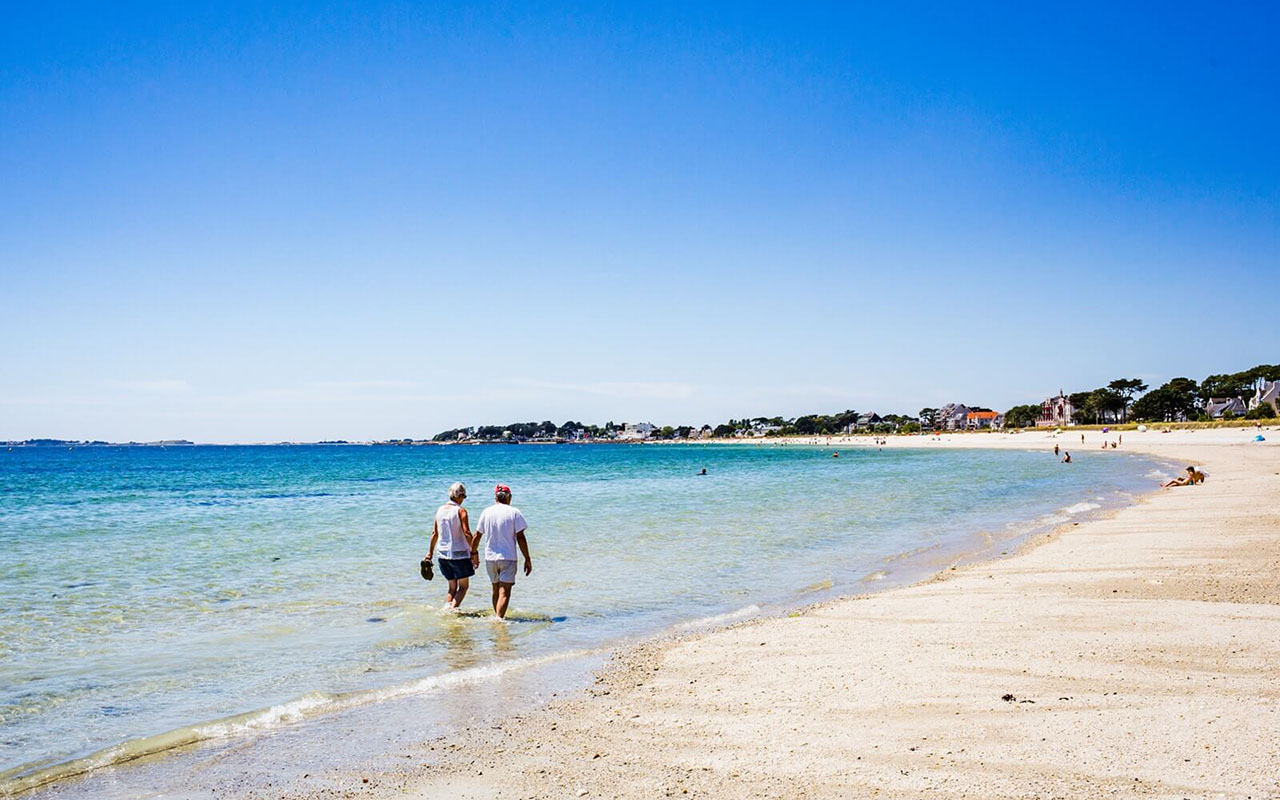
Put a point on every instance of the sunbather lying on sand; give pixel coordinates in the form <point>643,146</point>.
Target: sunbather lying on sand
<point>1192,477</point>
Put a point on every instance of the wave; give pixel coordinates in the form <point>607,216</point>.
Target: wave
<point>1080,508</point>
<point>818,587</point>
<point>39,773</point>
<point>1059,517</point>
<point>721,619</point>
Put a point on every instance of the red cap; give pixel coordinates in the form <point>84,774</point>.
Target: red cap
<point>500,488</point>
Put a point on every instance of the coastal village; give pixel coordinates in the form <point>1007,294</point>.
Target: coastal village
<point>1253,394</point>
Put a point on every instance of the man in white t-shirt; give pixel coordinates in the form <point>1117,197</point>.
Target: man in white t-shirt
<point>504,526</point>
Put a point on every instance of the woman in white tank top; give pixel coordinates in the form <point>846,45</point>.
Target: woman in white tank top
<point>451,544</point>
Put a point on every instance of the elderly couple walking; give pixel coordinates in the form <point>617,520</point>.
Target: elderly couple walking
<point>458,549</point>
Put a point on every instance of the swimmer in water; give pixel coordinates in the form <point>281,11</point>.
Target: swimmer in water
<point>1066,458</point>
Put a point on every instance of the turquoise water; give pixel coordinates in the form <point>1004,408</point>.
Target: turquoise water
<point>144,590</point>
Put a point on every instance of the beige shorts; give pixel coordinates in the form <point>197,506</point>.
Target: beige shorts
<point>501,571</point>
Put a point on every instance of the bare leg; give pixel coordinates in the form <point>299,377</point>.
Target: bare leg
<point>502,599</point>
<point>451,601</point>
<point>463,583</point>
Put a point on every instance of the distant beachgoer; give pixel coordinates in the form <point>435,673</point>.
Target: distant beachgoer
<point>1113,445</point>
<point>1055,450</point>
<point>836,454</point>
<point>1121,437</point>
<point>1082,438</point>
<point>505,526</point>
<point>452,533</point>
<point>703,471</point>
<point>1192,477</point>
<point>1066,458</point>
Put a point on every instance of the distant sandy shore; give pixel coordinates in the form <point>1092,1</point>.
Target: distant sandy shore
<point>1136,656</point>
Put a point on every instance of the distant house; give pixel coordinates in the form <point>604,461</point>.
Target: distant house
<point>1266,392</point>
<point>637,431</point>
<point>952,417</point>
<point>979,420</point>
<point>868,420</point>
<point>1219,407</point>
<point>1055,412</point>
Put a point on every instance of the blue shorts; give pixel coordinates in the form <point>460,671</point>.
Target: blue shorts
<point>455,568</point>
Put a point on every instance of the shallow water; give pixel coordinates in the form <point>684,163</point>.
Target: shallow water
<point>145,591</point>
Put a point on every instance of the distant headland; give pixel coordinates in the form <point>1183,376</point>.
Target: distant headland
<point>95,443</point>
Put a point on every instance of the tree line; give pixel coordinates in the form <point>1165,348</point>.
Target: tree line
<point>1121,400</point>
<point>805,425</point>
<point>1178,399</point>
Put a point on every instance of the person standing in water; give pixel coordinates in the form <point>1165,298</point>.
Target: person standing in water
<point>451,532</point>
<point>505,526</point>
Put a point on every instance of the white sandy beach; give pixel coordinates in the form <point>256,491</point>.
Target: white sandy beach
<point>1131,656</point>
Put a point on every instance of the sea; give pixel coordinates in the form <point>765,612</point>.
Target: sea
<point>168,608</point>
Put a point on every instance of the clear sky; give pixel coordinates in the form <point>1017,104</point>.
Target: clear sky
<point>234,223</point>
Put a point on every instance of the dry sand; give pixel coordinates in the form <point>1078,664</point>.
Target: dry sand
<point>1137,655</point>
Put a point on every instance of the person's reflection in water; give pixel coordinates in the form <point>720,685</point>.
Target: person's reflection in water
<point>503,645</point>
<point>459,643</point>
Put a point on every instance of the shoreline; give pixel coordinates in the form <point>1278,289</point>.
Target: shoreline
<point>649,654</point>
<point>194,743</point>
<point>1125,654</point>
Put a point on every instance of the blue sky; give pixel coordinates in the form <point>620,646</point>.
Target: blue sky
<point>246,224</point>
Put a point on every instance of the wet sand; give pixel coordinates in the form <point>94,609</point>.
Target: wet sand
<point>1136,655</point>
